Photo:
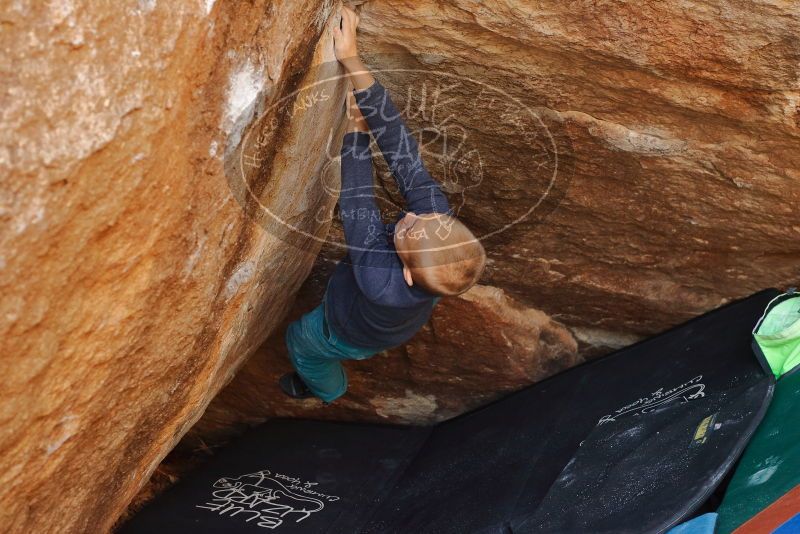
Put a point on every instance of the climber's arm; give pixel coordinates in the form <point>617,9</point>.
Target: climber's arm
<point>359,74</point>
<point>375,263</point>
<point>399,148</point>
<point>421,192</point>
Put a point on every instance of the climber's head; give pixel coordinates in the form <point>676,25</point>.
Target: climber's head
<point>439,253</point>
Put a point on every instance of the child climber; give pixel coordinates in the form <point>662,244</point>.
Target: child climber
<point>383,292</point>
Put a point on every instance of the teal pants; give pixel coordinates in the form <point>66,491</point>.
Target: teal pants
<point>316,354</point>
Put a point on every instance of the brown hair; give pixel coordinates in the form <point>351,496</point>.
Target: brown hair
<point>444,257</point>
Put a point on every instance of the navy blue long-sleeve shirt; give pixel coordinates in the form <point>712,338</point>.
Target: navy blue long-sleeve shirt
<point>368,302</point>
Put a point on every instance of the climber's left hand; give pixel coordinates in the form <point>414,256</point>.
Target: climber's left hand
<point>344,37</point>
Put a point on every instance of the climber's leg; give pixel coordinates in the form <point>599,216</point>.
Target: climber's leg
<point>316,354</point>
<point>316,361</point>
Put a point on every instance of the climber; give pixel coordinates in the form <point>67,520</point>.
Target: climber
<point>384,290</point>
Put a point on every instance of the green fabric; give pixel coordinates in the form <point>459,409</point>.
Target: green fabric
<point>779,336</point>
<point>770,466</point>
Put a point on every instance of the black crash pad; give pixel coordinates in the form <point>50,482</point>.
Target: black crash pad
<point>632,442</point>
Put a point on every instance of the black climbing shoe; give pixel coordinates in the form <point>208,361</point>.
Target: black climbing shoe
<point>293,385</point>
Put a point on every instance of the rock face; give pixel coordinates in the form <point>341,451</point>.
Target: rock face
<point>169,173</point>
<point>629,166</point>
<point>453,364</point>
<point>680,179</point>
<point>136,276</point>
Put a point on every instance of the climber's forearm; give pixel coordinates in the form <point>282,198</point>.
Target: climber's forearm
<point>359,74</point>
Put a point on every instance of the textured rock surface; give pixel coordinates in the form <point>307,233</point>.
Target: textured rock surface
<point>684,131</point>
<point>133,283</point>
<point>670,134</point>
<point>635,163</point>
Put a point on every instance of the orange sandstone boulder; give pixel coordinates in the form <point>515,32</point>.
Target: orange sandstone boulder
<point>135,276</point>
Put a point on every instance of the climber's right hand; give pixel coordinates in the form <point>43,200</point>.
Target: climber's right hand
<point>344,36</point>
